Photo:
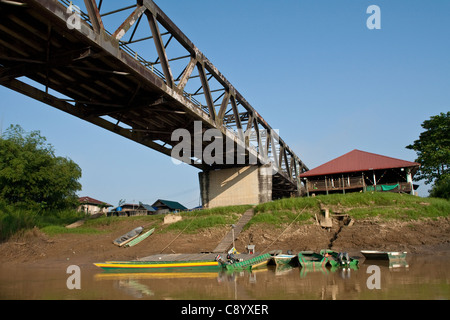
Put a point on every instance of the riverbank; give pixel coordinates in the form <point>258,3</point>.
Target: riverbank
<point>417,237</point>
<point>371,221</point>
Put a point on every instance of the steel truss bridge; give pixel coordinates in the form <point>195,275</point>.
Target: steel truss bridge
<point>141,78</point>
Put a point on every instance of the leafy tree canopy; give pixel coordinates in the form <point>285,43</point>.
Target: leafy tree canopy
<point>31,173</point>
<point>433,148</point>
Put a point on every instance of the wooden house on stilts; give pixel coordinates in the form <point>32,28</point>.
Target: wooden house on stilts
<point>361,171</point>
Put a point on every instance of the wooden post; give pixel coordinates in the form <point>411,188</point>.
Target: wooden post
<point>409,179</point>
<point>343,185</point>
<point>306,184</point>
<point>364,182</point>
<point>326,184</point>
<point>374,181</point>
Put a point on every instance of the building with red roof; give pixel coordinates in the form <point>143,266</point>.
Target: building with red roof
<point>361,171</point>
<point>92,206</point>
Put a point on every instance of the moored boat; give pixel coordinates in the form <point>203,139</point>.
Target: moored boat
<point>139,238</point>
<point>129,236</point>
<point>284,259</point>
<point>339,259</point>
<point>254,262</point>
<point>383,255</point>
<point>158,266</point>
<point>311,259</point>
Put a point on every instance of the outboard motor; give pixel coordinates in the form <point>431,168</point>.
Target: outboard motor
<point>343,258</point>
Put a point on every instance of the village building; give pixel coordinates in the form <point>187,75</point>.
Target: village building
<point>129,209</point>
<point>360,171</point>
<point>92,206</point>
<point>166,206</point>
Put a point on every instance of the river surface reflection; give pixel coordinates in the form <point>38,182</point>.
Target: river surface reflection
<point>422,277</point>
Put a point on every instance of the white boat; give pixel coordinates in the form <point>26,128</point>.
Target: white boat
<point>283,259</point>
<point>383,255</point>
<point>127,237</point>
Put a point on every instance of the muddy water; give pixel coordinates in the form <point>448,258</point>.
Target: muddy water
<point>424,277</point>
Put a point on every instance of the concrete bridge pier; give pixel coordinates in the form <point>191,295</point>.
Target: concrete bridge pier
<point>236,186</point>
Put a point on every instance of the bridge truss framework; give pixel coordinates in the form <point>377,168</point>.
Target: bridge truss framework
<point>142,93</point>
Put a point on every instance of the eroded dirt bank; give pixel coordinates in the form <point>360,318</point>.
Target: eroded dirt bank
<point>34,247</point>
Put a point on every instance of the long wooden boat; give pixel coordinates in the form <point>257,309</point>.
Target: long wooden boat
<point>339,259</point>
<point>127,237</point>
<point>140,238</point>
<point>383,255</point>
<point>311,259</point>
<point>155,275</point>
<point>257,261</point>
<point>159,266</point>
<point>283,259</point>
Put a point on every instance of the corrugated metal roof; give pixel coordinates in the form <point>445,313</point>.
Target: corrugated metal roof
<point>357,160</point>
<point>171,204</point>
<point>89,200</point>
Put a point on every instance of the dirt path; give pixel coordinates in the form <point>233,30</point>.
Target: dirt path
<point>34,247</point>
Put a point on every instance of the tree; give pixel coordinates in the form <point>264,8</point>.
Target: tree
<point>30,173</point>
<point>433,149</point>
<point>441,188</point>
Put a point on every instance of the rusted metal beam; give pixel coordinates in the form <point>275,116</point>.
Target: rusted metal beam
<point>237,117</point>
<point>53,101</point>
<point>206,90</point>
<point>186,74</point>
<point>129,22</point>
<point>170,26</point>
<point>160,48</point>
<point>223,108</point>
<point>94,15</point>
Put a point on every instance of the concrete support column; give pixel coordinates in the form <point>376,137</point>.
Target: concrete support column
<point>236,186</point>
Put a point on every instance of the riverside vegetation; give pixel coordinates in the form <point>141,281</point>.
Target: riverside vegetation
<point>278,213</point>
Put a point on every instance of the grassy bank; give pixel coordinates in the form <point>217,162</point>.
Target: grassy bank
<point>357,205</point>
<point>17,219</point>
<point>280,212</point>
<point>14,219</point>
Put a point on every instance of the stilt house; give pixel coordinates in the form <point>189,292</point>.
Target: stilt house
<point>361,171</point>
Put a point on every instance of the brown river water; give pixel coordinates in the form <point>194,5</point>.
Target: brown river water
<point>423,277</point>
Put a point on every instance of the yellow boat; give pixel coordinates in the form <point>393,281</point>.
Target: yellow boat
<point>158,266</point>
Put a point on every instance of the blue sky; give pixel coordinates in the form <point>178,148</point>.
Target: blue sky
<point>312,69</point>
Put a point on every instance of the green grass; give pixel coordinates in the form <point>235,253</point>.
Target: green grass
<point>14,219</point>
<point>279,218</point>
<point>277,213</point>
<point>359,206</point>
<point>194,221</point>
<point>55,230</point>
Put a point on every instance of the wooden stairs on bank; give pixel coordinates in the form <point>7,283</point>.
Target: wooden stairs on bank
<point>227,241</point>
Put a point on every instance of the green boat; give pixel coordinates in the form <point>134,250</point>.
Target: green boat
<point>339,259</point>
<point>127,237</point>
<point>257,261</point>
<point>311,259</point>
<point>140,238</point>
<point>159,266</point>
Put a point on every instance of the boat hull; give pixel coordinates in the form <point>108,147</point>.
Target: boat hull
<point>337,260</point>
<point>283,259</point>
<point>158,266</point>
<point>252,263</point>
<point>140,238</point>
<point>308,259</point>
<point>383,255</point>
<point>127,237</point>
